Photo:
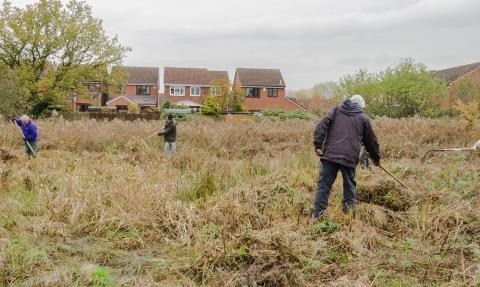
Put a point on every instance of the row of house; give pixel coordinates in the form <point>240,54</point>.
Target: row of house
<point>264,89</point>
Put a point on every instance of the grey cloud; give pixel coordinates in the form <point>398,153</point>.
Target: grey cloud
<point>310,40</point>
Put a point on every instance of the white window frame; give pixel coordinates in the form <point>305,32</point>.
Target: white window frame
<point>199,91</point>
<point>176,91</point>
<point>214,91</point>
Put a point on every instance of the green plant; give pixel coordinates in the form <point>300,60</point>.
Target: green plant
<point>325,226</point>
<point>70,48</point>
<point>469,112</point>
<point>133,108</point>
<point>405,90</point>
<point>229,97</point>
<point>101,277</point>
<point>278,114</point>
<point>211,107</point>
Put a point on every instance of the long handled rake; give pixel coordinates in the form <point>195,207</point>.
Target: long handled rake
<point>394,177</point>
<point>447,149</point>
<point>146,139</point>
<point>23,137</point>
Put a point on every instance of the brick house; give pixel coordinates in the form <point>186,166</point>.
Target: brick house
<point>264,89</point>
<point>141,88</point>
<point>190,86</point>
<point>460,80</point>
<point>95,97</point>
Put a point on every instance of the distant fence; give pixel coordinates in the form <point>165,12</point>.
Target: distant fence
<point>125,116</point>
<point>112,116</point>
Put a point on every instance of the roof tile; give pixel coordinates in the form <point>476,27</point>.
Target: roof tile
<point>260,77</point>
<point>452,74</point>
<point>192,76</point>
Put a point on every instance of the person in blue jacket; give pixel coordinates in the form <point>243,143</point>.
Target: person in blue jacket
<point>30,135</point>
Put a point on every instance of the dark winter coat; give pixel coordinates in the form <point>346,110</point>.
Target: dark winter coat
<point>169,132</point>
<point>341,133</point>
<point>29,130</point>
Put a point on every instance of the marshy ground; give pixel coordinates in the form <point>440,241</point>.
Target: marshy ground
<point>101,207</point>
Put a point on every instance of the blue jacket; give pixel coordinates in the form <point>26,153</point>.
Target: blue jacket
<point>29,130</point>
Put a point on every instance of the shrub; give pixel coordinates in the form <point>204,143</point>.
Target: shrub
<point>405,90</point>
<point>133,108</point>
<point>278,114</point>
<point>469,112</point>
<point>211,107</point>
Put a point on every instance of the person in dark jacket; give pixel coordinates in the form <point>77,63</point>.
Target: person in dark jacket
<point>169,134</point>
<point>338,139</point>
<point>30,134</point>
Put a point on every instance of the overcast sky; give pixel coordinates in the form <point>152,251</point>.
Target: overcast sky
<point>311,41</point>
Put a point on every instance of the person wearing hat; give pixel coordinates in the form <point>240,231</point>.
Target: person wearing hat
<point>30,134</point>
<point>477,145</point>
<point>338,140</point>
<point>169,134</point>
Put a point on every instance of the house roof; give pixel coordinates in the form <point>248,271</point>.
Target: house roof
<point>140,100</point>
<point>260,77</point>
<point>143,100</point>
<point>450,75</point>
<point>141,75</point>
<point>192,76</point>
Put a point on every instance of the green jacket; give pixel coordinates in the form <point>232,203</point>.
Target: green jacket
<point>169,132</point>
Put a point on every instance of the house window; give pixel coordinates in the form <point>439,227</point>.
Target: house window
<point>195,91</point>
<point>177,91</point>
<point>143,90</point>
<point>252,92</point>
<point>89,87</point>
<point>214,91</point>
<point>273,92</point>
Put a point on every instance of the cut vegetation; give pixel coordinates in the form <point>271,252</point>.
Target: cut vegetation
<point>100,207</point>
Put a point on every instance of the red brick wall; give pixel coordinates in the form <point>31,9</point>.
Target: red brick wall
<point>204,92</point>
<point>266,102</point>
<point>131,90</point>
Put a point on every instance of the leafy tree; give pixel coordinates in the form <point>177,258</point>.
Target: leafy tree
<point>405,90</point>
<point>53,48</point>
<point>229,97</point>
<point>211,107</point>
<point>13,99</point>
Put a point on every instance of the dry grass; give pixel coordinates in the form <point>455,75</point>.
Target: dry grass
<point>100,207</point>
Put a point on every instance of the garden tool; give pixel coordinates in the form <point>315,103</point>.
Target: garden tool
<point>394,177</point>
<point>146,139</point>
<point>448,149</point>
<point>365,164</point>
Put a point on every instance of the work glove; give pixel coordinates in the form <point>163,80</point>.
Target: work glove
<point>363,158</point>
<point>364,162</point>
<point>376,163</point>
<point>319,152</point>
